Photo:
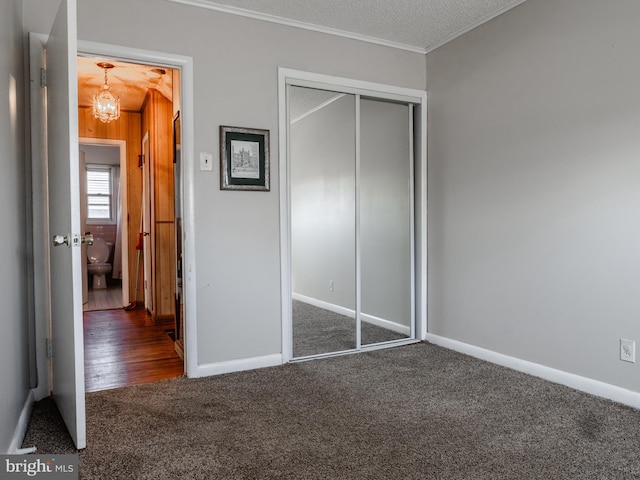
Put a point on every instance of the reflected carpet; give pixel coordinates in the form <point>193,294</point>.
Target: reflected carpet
<point>317,331</point>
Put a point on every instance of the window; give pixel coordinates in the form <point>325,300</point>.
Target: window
<point>100,193</point>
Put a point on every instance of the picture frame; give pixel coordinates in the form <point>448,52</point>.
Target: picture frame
<point>244,159</point>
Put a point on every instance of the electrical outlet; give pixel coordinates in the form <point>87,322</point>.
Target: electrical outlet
<point>331,285</point>
<point>628,350</point>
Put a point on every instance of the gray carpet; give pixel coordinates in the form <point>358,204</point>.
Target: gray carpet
<point>412,412</point>
<point>317,331</point>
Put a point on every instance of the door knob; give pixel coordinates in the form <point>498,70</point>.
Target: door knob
<point>60,240</point>
<point>87,238</point>
<point>77,239</point>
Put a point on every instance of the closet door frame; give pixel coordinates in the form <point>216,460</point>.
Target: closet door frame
<point>417,100</point>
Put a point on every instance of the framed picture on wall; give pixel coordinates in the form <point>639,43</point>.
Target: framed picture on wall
<point>244,159</point>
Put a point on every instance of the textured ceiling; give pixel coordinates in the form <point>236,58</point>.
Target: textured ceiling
<point>418,24</point>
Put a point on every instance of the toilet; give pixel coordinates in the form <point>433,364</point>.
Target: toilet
<point>98,266</point>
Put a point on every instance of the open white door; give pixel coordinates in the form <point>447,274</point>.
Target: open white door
<point>64,222</point>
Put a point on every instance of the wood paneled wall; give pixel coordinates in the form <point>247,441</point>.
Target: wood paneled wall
<point>157,119</point>
<point>127,128</point>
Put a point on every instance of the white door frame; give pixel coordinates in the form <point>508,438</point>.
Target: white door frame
<point>124,202</point>
<point>42,295</point>
<point>288,76</point>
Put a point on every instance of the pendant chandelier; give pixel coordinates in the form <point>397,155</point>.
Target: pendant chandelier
<point>105,106</point>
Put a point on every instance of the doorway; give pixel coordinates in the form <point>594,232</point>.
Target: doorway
<point>135,339</point>
<point>103,163</point>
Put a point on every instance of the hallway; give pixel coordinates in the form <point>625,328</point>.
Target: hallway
<point>124,348</point>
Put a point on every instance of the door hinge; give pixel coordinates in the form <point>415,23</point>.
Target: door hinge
<point>43,77</point>
<point>140,161</point>
<point>49,344</point>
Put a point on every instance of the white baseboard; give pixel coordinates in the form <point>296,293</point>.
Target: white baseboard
<point>21,428</point>
<point>584,384</point>
<point>347,312</point>
<point>239,365</point>
<point>387,324</point>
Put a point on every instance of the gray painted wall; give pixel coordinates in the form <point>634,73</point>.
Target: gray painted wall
<point>14,341</point>
<point>235,63</point>
<point>534,168</point>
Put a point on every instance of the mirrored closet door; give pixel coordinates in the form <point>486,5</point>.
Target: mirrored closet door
<point>350,171</point>
<point>385,214</point>
<point>323,220</point>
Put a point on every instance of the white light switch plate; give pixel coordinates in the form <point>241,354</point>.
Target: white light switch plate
<point>206,161</point>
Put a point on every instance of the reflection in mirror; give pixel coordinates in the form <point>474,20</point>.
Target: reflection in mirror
<point>385,221</point>
<point>322,185</point>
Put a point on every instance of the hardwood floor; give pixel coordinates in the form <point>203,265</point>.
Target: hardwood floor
<point>126,348</point>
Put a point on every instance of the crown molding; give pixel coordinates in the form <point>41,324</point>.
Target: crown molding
<point>342,33</point>
<point>303,25</point>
